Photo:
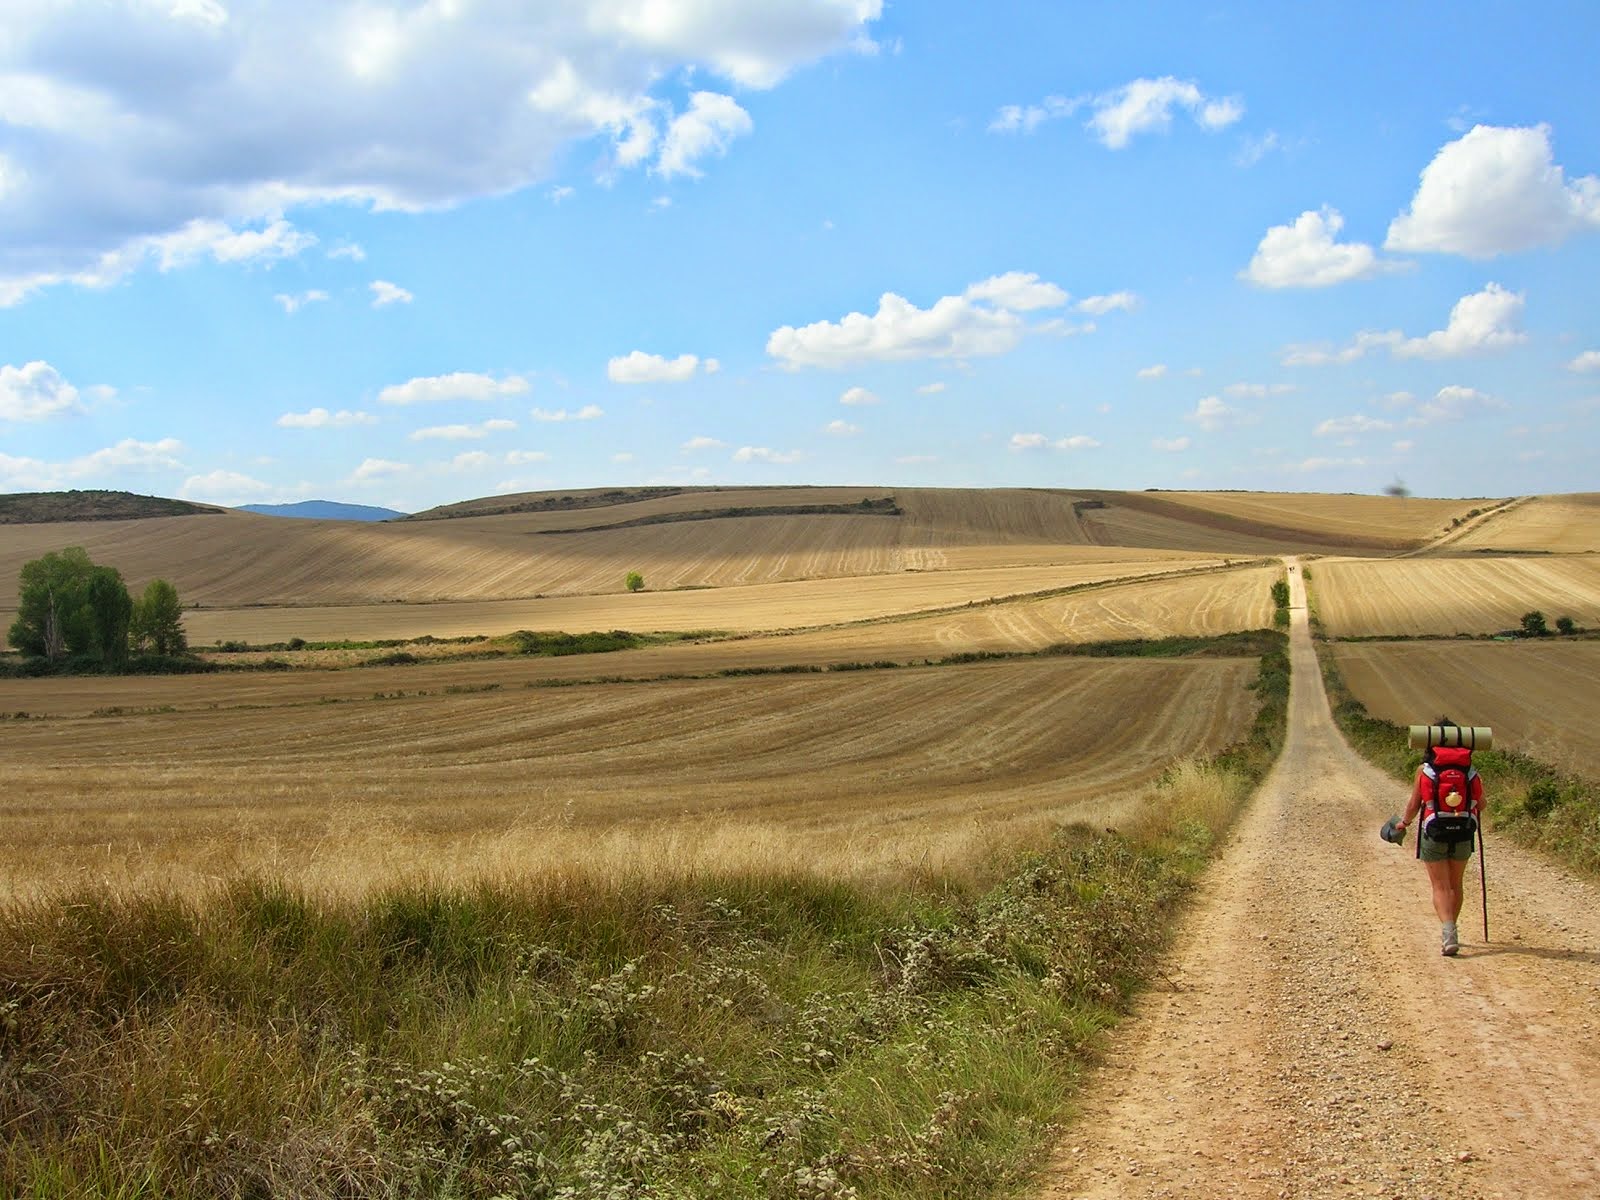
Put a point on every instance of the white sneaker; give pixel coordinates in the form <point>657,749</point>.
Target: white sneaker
<point>1449,943</point>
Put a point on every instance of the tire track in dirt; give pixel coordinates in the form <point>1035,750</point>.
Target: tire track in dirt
<point>1308,1040</point>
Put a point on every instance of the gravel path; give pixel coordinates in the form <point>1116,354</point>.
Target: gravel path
<point>1309,1040</point>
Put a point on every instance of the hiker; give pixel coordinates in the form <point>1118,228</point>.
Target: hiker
<point>1448,793</point>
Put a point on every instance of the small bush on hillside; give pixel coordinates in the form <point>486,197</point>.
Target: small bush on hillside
<point>1533,624</point>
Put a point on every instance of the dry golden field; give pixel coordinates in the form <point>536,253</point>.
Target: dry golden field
<point>1408,597</point>
<point>855,772</point>
<point>1540,697</point>
<point>1559,524</point>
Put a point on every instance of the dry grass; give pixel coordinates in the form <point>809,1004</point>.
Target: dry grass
<point>845,773</point>
<point>1562,524</point>
<point>1410,597</point>
<point>1538,696</point>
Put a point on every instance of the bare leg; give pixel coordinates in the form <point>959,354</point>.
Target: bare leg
<point>1445,880</point>
<point>1457,888</point>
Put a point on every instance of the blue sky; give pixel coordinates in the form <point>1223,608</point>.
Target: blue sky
<point>411,253</point>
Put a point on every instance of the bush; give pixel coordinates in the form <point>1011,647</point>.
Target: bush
<point>634,582</point>
<point>1533,624</point>
<point>1565,626</point>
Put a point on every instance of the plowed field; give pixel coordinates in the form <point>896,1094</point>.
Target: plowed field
<point>1562,524</point>
<point>854,771</point>
<point>1540,697</point>
<point>1448,596</point>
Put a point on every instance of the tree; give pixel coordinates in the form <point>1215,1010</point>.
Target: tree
<point>1533,624</point>
<point>158,621</point>
<point>53,594</point>
<point>634,582</point>
<point>1566,626</point>
<point>109,612</point>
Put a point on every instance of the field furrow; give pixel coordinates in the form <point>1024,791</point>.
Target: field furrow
<point>1409,597</point>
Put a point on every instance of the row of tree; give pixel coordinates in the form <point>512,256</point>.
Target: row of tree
<point>71,607</point>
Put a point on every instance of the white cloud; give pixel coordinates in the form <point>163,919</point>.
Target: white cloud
<point>1485,320</point>
<point>1305,255</point>
<point>1038,441</point>
<point>1213,416</point>
<point>1479,323</point>
<point>1258,391</point>
<point>1099,306</point>
<point>378,468</point>
<point>704,443</point>
<point>385,293</point>
<point>557,194</point>
<point>1025,118</point>
<point>35,391</point>
<point>321,418</point>
<point>916,460</point>
<point>1589,360</point>
<point>1175,445</point>
<point>105,467</point>
<point>711,123</point>
<point>841,428</point>
<point>1018,291</point>
<point>930,389</point>
<point>858,396</point>
<point>294,303</point>
<point>1495,191</point>
<point>1452,403</point>
<point>228,488</point>
<point>1253,149</point>
<point>1154,371</point>
<point>350,250</point>
<point>589,412</point>
<point>982,321</point>
<point>1145,106</point>
<point>745,454</point>
<point>457,433</point>
<point>622,456</point>
<point>459,385</point>
<point>639,367</point>
<point>131,125</point>
<point>1344,427</point>
<point>521,458</point>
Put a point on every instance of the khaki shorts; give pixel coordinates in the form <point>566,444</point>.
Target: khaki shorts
<point>1433,851</point>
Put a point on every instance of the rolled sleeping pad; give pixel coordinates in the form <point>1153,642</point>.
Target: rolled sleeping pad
<point>1473,737</point>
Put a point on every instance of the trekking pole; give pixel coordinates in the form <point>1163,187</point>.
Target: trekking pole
<point>1483,881</point>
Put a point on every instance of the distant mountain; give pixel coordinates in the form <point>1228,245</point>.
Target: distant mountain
<point>324,510</point>
<point>29,508</point>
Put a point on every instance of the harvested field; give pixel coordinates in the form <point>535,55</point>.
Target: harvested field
<point>1558,524</point>
<point>1422,596</point>
<point>1268,522</point>
<point>1538,695</point>
<point>850,773</point>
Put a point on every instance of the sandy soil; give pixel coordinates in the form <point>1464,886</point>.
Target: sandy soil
<point>1308,1040</point>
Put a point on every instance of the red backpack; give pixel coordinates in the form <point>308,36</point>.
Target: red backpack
<point>1449,811</point>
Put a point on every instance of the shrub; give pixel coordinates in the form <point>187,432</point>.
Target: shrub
<point>634,582</point>
<point>1565,626</point>
<point>1533,624</point>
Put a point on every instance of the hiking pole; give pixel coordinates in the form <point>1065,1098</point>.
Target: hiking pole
<point>1483,881</point>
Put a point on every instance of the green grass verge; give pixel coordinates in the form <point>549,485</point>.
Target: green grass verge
<point>1538,804</point>
<point>739,1035</point>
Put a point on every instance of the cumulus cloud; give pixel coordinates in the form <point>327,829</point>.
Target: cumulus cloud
<point>589,412</point>
<point>293,303</point>
<point>1344,427</point>
<point>228,488</point>
<point>457,433</point>
<point>1099,306</point>
<point>1175,445</point>
<point>1154,371</point>
<point>983,320</point>
<point>106,466</point>
<point>35,391</point>
<point>1495,191</point>
<point>1038,441</point>
<point>385,293</point>
<point>704,443</point>
<point>321,418</point>
<point>1479,323</point>
<point>764,454</point>
<point>710,124</point>
<point>1213,415</point>
<point>378,468</point>
<point>1025,118</point>
<point>639,367</point>
<point>1146,106</point>
<point>858,396</point>
<point>1588,361</point>
<point>133,123</point>
<point>840,428</point>
<point>931,389</point>
<point>459,385</point>
<point>1258,391</point>
<point>1305,255</point>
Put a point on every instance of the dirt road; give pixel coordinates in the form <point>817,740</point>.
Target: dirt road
<point>1309,1040</point>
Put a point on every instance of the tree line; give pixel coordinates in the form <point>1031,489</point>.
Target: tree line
<point>71,608</point>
